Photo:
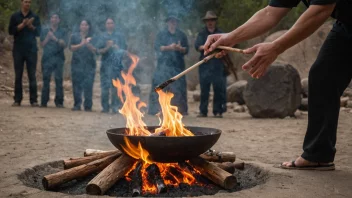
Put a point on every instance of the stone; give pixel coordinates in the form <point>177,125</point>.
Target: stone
<point>235,92</point>
<point>239,109</point>
<point>275,95</point>
<point>304,104</point>
<point>304,83</point>
<point>343,101</point>
<point>196,96</point>
<point>347,92</point>
<point>349,104</point>
<point>229,105</point>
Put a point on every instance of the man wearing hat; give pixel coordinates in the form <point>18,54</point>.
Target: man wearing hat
<point>171,45</point>
<point>212,72</point>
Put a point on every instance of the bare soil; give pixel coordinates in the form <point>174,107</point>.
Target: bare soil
<point>34,136</point>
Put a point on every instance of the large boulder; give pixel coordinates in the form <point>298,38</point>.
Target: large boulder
<point>275,95</point>
<point>235,92</point>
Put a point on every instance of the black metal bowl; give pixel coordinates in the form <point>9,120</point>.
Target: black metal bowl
<point>169,149</point>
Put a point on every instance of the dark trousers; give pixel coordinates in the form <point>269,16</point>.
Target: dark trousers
<point>219,87</point>
<point>49,67</point>
<point>108,90</point>
<point>30,58</point>
<point>82,83</point>
<point>328,78</point>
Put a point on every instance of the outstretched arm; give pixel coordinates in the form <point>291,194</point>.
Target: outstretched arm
<point>266,53</point>
<point>259,23</point>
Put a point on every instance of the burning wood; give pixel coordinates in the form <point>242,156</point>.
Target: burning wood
<point>137,180</point>
<point>111,174</point>
<point>155,178</point>
<point>73,162</point>
<point>56,179</point>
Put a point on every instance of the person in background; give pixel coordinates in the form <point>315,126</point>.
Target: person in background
<point>53,40</point>
<point>329,76</point>
<point>111,46</point>
<point>83,66</point>
<point>25,27</point>
<point>171,45</point>
<point>211,72</point>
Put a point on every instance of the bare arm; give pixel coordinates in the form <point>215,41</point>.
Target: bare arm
<point>306,25</point>
<point>76,47</point>
<point>266,53</point>
<point>259,23</point>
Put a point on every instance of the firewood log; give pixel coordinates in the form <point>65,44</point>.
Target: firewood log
<point>53,180</point>
<point>73,162</point>
<point>215,156</point>
<point>226,166</point>
<point>214,173</point>
<point>137,180</point>
<point>90,152</point>
<point>111,174</point>
<point>154,176</point>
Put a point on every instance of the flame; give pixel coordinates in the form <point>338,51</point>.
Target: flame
<point>171,124</point>
<point>172,120</point>
<point>132,105</point>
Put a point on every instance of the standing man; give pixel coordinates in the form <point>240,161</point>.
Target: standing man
<point>328,77</point>
<point>171,45</point>
<point>111,46</point>
<point>211,72</point>
<point>25,27</point>
<point>53,40</point>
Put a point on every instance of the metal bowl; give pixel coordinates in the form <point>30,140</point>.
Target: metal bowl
<point>169,149</point>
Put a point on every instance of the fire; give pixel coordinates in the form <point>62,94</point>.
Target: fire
<point>131,104</point>
<point>171,124</point>
<point>172,119</point>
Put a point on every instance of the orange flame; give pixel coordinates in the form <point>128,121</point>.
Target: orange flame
<point>131,104</point>
<point>172,120</point>
<point>136,152</point>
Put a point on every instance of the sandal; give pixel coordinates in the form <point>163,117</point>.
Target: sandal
<point>319,166</point>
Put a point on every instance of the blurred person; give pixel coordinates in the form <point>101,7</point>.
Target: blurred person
<point>328,77</point>
<point>171,45</point>
<point>212,72</point>
<point>53,40</point>
<point>25,27</point>
<point>111,46</point>
<point>83,66</point>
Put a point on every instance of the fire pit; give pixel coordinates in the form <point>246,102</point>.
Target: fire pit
<point>168,149</point>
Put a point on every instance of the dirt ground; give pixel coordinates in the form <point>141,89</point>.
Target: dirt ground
<point>32,136</point>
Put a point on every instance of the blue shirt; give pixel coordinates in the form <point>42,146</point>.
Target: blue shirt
<point>53,49</point>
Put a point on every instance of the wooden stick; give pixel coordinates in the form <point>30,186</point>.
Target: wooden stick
<point>90,152</point>
<point>214,173</point>
<point>110,175</point>
<point>154,177</point>
<point>226,166</point>
<point>215,156</point>
<point>173,79</point>
<point>239,166</point>
<point>73,162</point>
<point>53,180</point>
<point>137,180</point>
<point>231,49</point>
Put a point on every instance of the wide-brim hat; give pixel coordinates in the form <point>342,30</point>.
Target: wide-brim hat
<point>172,17</point>
<point>210,15</point>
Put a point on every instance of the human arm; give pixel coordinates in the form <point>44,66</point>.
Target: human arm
<point>259,23</point>
<point>266,53</point>
<point>14,27</point>
<point>76,43</point>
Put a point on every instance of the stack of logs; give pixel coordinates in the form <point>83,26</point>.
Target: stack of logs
<point>114,165</point>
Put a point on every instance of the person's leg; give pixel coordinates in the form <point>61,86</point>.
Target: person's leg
<point>105,87</point>
<point>59,75</point>
<point>77,87</point>
<point>205,84</point>
<point>219,102</point>
<point>18,60</point>
<point>88,90</point>
<point>328,77</point>
<point>47,68</point>
<point>31,62</point>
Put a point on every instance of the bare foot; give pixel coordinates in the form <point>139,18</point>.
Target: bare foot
<point>302,162</point>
